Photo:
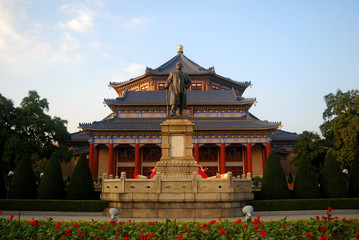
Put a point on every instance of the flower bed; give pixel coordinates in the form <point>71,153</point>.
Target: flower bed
<point>322,228</point>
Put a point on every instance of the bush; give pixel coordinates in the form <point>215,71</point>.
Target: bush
<point>274,183</point>
<point>52,185</point>
<point>53,205</point>
<point>305,204</point>
<point>354,177</point>
<point>23,185</point>
<point>332,181</point>
<point>81,184</point>
<point>306,182</point>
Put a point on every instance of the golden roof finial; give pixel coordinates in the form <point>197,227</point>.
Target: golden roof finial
<point>180,48</point>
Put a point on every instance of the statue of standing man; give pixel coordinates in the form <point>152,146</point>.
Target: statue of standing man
<point>179,82</point>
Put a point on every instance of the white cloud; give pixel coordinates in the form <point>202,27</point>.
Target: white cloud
<point>135,68</point>
<point>133,22</point>
<point>69,43</point>
<point>82,20</point>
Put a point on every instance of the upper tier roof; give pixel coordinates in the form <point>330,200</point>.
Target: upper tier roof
<point>188,65</point>
<point>217,97</point>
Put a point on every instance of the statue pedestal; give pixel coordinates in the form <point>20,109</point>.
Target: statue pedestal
<point>177,190</point>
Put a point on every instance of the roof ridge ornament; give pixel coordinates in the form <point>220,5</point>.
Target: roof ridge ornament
<point>179,49</point>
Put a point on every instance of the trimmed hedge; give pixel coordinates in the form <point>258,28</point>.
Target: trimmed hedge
<point>53,205</point>
<point>305,204</point>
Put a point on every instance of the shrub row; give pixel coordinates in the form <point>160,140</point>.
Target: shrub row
<point>305,204</point>
<point>53,205</point>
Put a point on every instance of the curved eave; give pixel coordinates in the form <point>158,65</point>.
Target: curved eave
<point>117,85</point>
<point>189,104</point>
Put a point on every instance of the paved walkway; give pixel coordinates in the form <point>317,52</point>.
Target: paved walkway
<point>98,216</point>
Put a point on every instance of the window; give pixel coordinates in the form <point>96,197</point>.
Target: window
<point>161,86</point>
<point>215,87</point>
<point>196,86</point>
<point>144,88</point>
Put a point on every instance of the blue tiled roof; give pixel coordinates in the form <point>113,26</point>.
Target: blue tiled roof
<point>193,98</point>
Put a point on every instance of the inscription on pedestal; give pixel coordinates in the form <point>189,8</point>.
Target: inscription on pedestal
<point>177,146</point>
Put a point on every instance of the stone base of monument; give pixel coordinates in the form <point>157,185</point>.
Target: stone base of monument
<point>177,190</point>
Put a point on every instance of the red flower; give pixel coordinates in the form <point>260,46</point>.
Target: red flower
<point>0,211</point>
<point>330,209</point>
<point>212,222</point>
<point>150,235</point>
<point>80,234</point>
<point>323,229</point>
<point>104,227</point>
<point>323,238</point>
<point>222,231</point>
<point>143,236</point>
<point>308,235</point>
<point>34,223</point>
<point>150,223</point>
<point>97,238</point>
<point>336,217</point>
<point>179,237</point>
<point>76,225</point>
<point>220,219</point>
<point>256,221</point>
<point>239,221</point>
<point>344,218</point>
<point>125,238</point>
<point>284,225</point>
<point>186,230</point>
<point>11,217</point>
<point>317,217</point>
<point>50,218</point>
<point>112,223</point>
<point>57,226</point>
<point>357,235</point>
<point>68,232</point>
<point>257,226</point>
<point>245,225</point>
<point>323,217</point>
<point>129,220</point>
<point>263,233</point>
<point>120,222</point>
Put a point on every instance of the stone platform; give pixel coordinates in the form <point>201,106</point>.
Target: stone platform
<point>177,190</point>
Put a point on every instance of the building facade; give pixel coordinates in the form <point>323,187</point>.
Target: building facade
<point>227,137</point>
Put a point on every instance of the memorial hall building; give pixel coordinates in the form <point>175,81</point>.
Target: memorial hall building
<point>227,137</point>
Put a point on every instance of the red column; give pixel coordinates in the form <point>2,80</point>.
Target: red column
<point>268,148</point>
<point>110,159</point>
<point>91,157</point>
<point>245,162</point>
<point>114,162</point>
<point>222,164</point>
<point>137,159</point>
<point>263,157</point>
<point>196,152</point>
<point>249,157</point>
<point>95,163</point>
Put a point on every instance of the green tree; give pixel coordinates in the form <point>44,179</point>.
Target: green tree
<point>52,185</point>
<point>310,144</point>
<point>274,183</point>
<point>306,181</point>
<point>81,185</point>
<point>354,177</point>
<point>23,185</point>
<point>29,129</point>
<point>332,181</point>
<point>341,124</point>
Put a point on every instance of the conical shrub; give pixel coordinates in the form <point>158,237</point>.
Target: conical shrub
<point>332,181</point>
<point>52,184</point>
<point>306,181</point>
<point>354,177</point>
<point>23,185</point>
<point>81,185</point>
<point>274,183</point>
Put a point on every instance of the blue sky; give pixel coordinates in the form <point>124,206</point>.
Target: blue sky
<point>293,52</point>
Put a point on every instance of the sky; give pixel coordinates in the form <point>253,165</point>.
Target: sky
<point>293,52</point>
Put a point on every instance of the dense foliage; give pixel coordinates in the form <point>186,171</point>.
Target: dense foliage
<point>29,130</point>
<point>81,184</point>
<point>324,227</point>
<point>341,124</point>
<point>52,185</point>
<point>313,146</point>
<point>274,183</point>
<point>354,177</point>
<point>332,181</point>
<point>24,186</point>
<point>306,181</point>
